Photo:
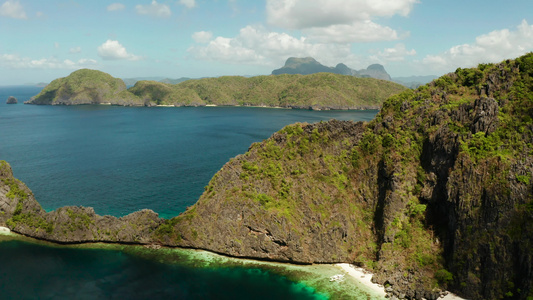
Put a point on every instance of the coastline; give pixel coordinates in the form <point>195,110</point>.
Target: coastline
<point>365,278</point>
<point>314,276</point>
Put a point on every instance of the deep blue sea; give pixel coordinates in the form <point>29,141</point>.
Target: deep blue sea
<point>119,160</point>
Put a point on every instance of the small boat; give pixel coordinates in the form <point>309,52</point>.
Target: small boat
<point>338,277</point>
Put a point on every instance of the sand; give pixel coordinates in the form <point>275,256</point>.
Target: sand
<point>365,277</point>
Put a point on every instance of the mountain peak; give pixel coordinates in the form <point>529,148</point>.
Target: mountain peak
<point>309,65</point>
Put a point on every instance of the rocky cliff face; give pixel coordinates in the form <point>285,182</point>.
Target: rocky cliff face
<point>436,192</point>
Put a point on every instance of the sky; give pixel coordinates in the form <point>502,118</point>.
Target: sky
<point>44,40</point>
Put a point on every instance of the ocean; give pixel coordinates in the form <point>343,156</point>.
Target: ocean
<point>122,159</point>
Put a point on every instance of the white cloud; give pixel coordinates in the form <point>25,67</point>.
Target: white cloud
<point>116,7</point>
<point>492,47</point>
<point>360,31</point>
<point>113,50</point>
<point>12,9</point>
<point>202,36</point>
<point>188,3</point>
<point>397,53</point>
<point>338,21</point>
<point>255,45</point>
<point>14,61</point>
<point>75,50</point>
<point>155,10</point>
<point>301,14</point>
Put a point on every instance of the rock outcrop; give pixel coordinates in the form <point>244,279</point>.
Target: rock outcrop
<point>11,100</point>
<point>434,193</point>
<point>71,224</point>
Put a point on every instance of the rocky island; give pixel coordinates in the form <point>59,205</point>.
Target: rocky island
<point>435,193</point>
<point>315,91</point>
<point>11,100</point>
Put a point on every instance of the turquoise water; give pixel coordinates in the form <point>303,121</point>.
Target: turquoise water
<point>119,160</point>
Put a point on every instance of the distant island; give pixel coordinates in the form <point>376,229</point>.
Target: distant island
<point>309,65</point>
<point>435,193</point>
<point>316,91</point>
<point>11,100</point>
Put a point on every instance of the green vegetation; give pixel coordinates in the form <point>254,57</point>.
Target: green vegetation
<point>85,87</point>
<point>317,91</point>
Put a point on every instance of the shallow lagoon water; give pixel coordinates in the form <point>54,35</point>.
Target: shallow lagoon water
<point>122,159</point>
<point>34,269</point>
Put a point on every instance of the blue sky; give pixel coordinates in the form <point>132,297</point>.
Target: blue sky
<point>43,40</point>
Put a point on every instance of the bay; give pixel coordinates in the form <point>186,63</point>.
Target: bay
<point>122,159</point>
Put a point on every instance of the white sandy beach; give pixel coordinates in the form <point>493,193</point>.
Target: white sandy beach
<point>365,278</point>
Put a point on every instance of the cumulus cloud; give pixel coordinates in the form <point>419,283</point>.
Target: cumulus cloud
<point>256,45</point>
<point>154,9</point>
<point>12,9</point>
<point>364,31</point>
<point>14,61</point>
<point>113,50</point>
<point>75,50</point>
<point>339,21</point>
<point>300,14</point>
<point>492,47</point>
<point>202,36</point>
<point>397,53</point>
<point>116,7</point>
<point>188,3</point>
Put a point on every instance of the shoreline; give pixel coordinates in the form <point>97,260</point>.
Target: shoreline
<point>321,279</point>
<point>365,278</point>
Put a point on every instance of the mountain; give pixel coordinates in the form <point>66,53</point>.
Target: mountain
<point>132,81</point>
<point>309,65</point>
<point>435,193</point>
<point>414,82</point>
<point>85,86</point>
<point>315,91</point>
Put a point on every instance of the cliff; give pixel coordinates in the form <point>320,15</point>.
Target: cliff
<point>316,91</point>
<point>436,192</point>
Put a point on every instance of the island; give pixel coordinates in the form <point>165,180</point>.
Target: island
<point>316,91</point>
<point>11,100</point>
<point>435,193</point>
